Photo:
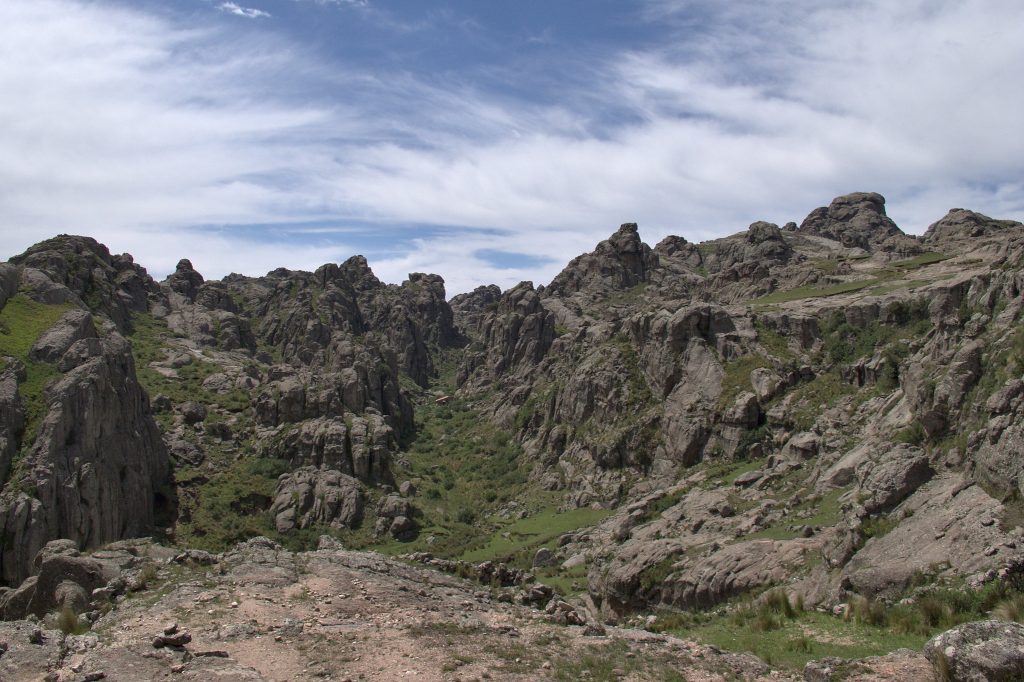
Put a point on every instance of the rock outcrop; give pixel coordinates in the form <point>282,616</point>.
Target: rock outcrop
<point>95,470</point>
<point>309,496</point>
<point>980,652</point>
<point>854,220</point>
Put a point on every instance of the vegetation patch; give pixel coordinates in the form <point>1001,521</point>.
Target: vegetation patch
<point>534,532</point>
<point>918,261</point>
<point>775,343</point>
<point>812,291</point>
<point>22,322</point>
<point>222,509</point>
<point>737,378</point>
<point>776,628</point>
<point>816,396</point>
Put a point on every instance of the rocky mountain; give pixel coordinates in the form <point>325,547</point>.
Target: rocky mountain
<point>665,435</point>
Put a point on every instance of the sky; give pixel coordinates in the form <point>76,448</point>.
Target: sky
<point>490,141</point>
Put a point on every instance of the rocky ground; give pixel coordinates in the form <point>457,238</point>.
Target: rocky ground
<point>260,612</point>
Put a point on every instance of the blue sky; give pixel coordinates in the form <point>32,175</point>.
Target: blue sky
<point>490,141</point>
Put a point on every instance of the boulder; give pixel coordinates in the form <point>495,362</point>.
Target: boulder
<point>895,475</point>
<point>9,278</point>
<point>983,651</point>
<point>393,506</point>
<point>802,446</point>
<point>854,220</point>
<point>766,383</point>
<point>61,578</point>
<point>309,496</point>
<point>193,412</point>
<point>961,224</point>
<point>73,326</point>
<point>544,557</point>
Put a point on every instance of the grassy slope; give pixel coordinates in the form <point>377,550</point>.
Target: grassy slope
<point>879,280</point>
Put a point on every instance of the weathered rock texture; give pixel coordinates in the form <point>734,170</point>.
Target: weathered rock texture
<point>94,470</point>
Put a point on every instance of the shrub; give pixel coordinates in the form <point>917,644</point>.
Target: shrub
<point>912,435</point>
<point>777,601</point>
<point>934,611</point>
<point>799,645</point>
<point>147,575</point>
<point>867,611</point>
<point>1011,609</point>
<point>68,622</point>
<point>765,621</point>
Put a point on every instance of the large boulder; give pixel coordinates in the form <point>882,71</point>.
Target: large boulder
<point>311,496</point>
<point>889,480</point>
<point>854,220</point>
<point>61,578</point>
<point>984,651</point>
<point>73,326</point>
<point>960,223</point>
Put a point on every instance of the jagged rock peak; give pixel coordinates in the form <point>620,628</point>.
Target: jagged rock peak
<point>185,280</point>
<point>434,282</point>
<point>855,220</point>
<point>469,308</point>
<point>671,244</point>
<point>80,270</point>
<point>619,262</point>
<point>357,271</point>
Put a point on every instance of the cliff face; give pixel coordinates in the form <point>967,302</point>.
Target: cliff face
<point>81,456</point>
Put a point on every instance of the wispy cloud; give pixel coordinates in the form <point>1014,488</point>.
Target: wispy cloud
<point>247,12</point>
<point>746,110</point>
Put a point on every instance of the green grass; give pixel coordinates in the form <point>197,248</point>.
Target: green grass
<point>845,342</point>
<point>896,286</point>
<point>723,473</point>
<point>814,397</point>
<point>826,265</point>
<point>795,641</point>
<point>922,260</point>
<point>812,291</point>
<point>737,378</point>
<point>775,343</point>
<point>825,512</point>
<point>149,340</point>
<point>221,509</point>
<point>605,662</point>
<point>23,321</point>
<point>783,634</point>
<point>565,582</point>
<point>467,471</point>
<point>534,532</point>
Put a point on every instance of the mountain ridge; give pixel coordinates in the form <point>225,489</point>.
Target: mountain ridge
<point>833,408</point>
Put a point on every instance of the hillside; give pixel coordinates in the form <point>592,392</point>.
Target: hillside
<point>801,441</point>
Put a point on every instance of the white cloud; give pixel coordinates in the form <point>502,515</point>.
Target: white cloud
<point>247,12</point>
<point>137,130</point>
<point>920,103</point>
